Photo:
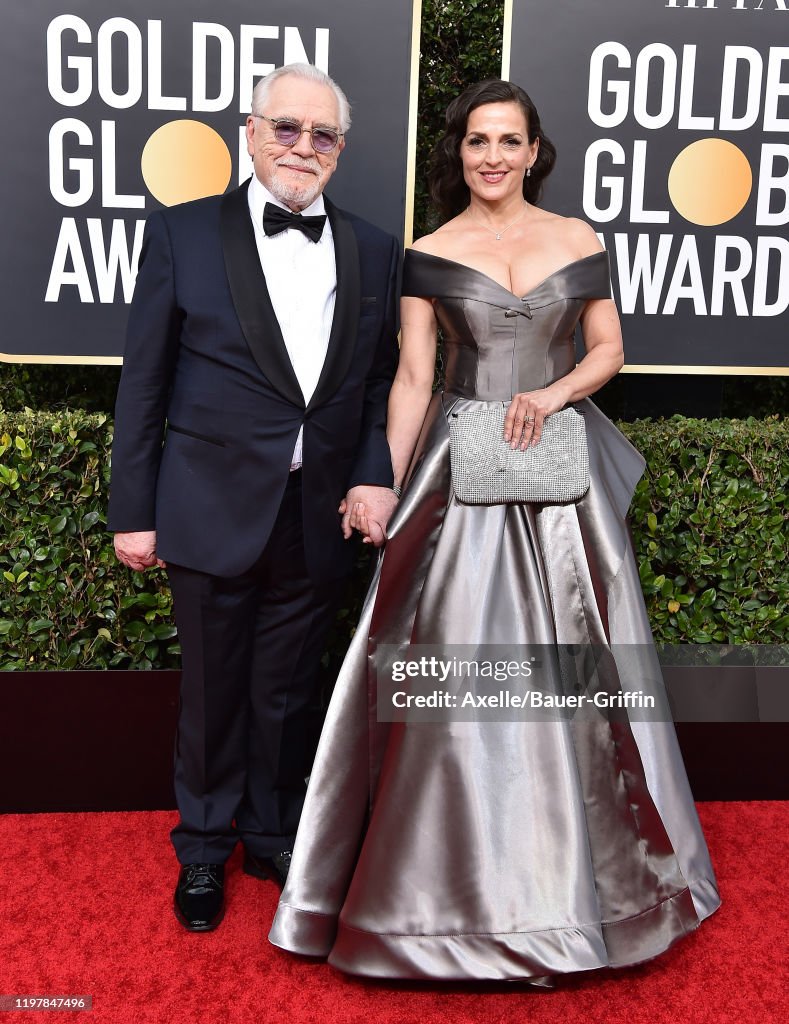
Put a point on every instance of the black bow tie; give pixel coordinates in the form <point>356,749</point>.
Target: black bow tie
<point>275,219</point>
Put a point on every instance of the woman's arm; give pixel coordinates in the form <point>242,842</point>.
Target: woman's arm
<point>408,399</point>
<point>603,360</point>
<point>604,356</point>
<point>413,383</point>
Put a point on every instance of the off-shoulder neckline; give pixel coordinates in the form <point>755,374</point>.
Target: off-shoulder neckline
<point>492,280</point>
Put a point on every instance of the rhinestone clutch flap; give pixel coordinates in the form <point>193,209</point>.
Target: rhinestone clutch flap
<point>486,471</point>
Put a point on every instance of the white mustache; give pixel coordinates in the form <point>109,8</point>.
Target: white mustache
<point>295,161</point>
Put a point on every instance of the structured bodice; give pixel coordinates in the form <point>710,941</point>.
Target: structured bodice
<point>496,343</point>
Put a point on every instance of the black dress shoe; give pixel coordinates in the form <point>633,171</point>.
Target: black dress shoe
<point>200,896</point>
<point>275,868</point>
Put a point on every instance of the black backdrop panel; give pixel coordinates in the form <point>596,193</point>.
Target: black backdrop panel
<point>103,741</point>
<point>85,87</point>
<point>671,118</point>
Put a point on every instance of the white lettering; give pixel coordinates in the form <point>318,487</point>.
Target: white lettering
<point>687,264</point>
<point>663,54</point>
<point>637,212</point>
<point>613,183</point>
<point>619,89</point>
<point>764,248</point>
<point>132,64</point>
<point>248,69</point>
<point>769,182</point>
<point>294,52</point>
<point>110,198</point>
<point>733,55</point>
<point>644,277</point>
<point>81,166</point>
<point>68,247</point>
<point>81,65</point>
<point>201,33</point>
<point>117,260</point>
<point>156,98</point>
<point>686,117</point>
<point>775,90</point>
<point>731,276</point>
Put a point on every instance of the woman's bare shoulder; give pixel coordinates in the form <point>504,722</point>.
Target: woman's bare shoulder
<point>443,241</point>
<point>578,236</point>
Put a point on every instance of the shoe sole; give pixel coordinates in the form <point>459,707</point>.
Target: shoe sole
<point>197,927</point>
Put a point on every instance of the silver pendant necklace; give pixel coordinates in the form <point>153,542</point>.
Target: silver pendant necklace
<point>501,231</point>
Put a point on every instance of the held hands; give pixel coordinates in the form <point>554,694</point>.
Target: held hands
<point>526,414</point>
<point>367,509</point>
<point>138,550</point>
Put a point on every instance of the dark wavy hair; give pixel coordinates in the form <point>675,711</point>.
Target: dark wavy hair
<point>448,190</point>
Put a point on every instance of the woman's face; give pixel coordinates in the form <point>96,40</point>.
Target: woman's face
<point>495,151</point>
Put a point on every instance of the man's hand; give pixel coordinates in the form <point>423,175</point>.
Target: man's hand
<point>367,509</point>
<point>138,550</point>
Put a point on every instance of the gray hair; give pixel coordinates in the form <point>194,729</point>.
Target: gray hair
<point>309,72</point>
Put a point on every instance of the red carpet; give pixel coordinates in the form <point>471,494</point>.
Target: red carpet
<point>85,909</point>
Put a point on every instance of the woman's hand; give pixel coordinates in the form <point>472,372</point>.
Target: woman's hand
<point>527,412</point>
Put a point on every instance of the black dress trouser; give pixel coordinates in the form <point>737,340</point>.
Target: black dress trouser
<point>251,648</point>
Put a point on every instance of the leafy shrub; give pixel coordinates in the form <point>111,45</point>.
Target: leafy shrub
<point>709,522</point>
<point>64,600</point>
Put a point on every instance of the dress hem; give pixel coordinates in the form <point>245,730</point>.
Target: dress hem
<point>489,956</point>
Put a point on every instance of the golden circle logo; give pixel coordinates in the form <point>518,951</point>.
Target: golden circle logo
<point>185,160</point>
<point>710,181</point>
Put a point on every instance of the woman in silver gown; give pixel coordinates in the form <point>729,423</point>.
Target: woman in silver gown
<point>511,849</point>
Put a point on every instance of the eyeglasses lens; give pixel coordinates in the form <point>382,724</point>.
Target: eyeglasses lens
<point>323,141</point>
<point>288,133</point>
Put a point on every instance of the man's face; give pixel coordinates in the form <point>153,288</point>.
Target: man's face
<point>296,174</point>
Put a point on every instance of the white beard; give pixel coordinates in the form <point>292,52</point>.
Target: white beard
<point>294,194</point>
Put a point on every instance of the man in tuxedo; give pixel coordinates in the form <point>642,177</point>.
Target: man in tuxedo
<point>251,417</point>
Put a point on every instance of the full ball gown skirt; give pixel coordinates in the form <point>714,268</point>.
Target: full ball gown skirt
<point>498,849</point>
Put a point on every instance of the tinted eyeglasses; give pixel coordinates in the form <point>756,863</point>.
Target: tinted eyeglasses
<point>288,133</point>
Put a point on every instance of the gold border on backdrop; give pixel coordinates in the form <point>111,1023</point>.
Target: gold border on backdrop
<point>51,360</point>
<point>712,371</point>
<point>506,41</point>
<point>708,371</point>
<point>410,187</point>
<point>413,104</point>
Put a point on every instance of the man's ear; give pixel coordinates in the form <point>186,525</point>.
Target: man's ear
<point>250,133</point>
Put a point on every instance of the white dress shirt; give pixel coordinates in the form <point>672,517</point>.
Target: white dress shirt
<point>301,276</point>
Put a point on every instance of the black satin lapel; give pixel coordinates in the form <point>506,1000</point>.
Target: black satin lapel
<point>342,340</point>
<point>251,298</point>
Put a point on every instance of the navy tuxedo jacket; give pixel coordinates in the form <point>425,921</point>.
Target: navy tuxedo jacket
<point>209,407</point>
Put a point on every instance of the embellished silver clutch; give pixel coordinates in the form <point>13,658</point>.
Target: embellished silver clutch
<point>486,471</point>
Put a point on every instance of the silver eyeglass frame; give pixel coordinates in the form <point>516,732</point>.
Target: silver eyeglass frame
<point>276,121</point>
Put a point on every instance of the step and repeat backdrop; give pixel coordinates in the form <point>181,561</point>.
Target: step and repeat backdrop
<point>671,120</point>
<point>111,109</point>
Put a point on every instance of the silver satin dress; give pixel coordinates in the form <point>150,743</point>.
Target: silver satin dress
<point>498,849</point>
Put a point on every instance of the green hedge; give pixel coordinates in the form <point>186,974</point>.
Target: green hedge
<point>64,600</point>
<point>709,522</point>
